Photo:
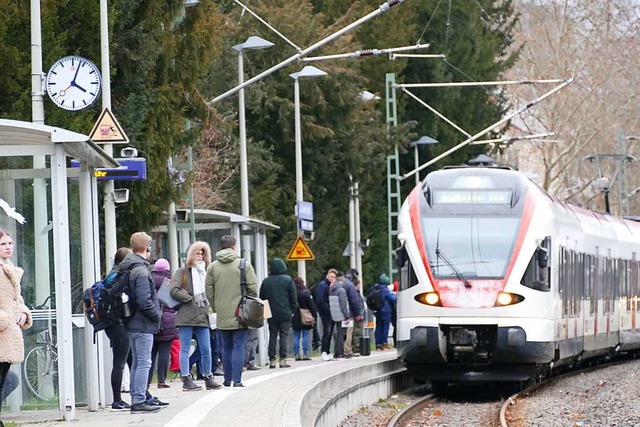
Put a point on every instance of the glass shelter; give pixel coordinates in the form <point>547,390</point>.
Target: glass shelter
<point>58,248</point>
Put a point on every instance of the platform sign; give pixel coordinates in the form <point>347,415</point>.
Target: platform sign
<point>304,210</point>
<point>300,251</point>
<point>107,130</point>
<point>131,169</point>
<point>305,225</point>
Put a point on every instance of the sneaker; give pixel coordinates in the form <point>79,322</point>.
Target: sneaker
<point>298,358</point>
<point>306,358</point>
<point>120,406</point>
<point>154,401</point>
<point>227,383</point>
<point>284,364</point>
<point>272,364</point>
<point>238,385</point>
<point>218,373</point>
<point>253,368</point>
<point>163,385</point>
<point>143,408</point>
<point>326,357</point>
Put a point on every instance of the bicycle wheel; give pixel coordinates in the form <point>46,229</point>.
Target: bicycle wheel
<point>40,369</point>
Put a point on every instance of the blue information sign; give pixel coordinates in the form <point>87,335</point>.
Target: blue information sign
<point>131,169</point>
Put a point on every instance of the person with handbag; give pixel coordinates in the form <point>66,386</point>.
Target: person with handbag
<point>188,287</point>
<point>303,320</point>
<point>225,292</point>
<point>279,290</point>
<point>161,349</point>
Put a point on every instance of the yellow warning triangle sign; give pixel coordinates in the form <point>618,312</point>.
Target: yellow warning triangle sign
<point>300,251</point>
<point>107,130</point>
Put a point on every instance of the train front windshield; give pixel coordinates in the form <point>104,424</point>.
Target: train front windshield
<point>477,247</point>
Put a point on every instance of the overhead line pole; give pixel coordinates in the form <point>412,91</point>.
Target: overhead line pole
<point>381,9</point>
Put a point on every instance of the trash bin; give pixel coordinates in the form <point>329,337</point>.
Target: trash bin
<point>365,346</point>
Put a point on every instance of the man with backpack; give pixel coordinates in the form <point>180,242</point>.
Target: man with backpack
<point>381,301</point>
<point>145,321</point>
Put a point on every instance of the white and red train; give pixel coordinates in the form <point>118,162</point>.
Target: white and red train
<point>499,281</point>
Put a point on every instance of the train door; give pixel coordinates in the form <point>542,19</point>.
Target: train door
<point>588,303</point>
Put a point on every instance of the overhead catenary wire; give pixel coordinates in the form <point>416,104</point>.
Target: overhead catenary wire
<point>255,15</point>
<point>487,129</point>
<point>384,7</point>
<point>365,52</point>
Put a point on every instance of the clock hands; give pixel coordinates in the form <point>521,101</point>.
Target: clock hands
<point>73,82</point>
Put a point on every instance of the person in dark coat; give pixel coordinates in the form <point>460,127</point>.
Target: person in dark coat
<point>144,323</point>
<point>383,316</point>
<point>300,331</point>
<point>279,290</point>
<point>168,331</point>
<point>322,303</point>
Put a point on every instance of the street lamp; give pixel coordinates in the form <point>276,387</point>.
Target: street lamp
<point>424,140</point>
<point>255,43</point>
<point>308,71</point>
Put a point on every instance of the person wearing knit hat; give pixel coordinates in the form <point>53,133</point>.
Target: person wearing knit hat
<point>383,314</point>
<point>168,330</point>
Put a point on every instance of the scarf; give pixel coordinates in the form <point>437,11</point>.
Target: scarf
<point>197,278</point>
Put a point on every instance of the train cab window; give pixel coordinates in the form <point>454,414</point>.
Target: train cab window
<point>407,275</point>
<point>536,276</point>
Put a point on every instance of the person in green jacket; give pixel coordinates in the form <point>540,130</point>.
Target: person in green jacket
<point>280,290</point>
<point>223,291</point>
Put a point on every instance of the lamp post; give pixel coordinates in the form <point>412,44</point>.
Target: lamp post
<point>308,71</point>
<point>424,140</point>
<point>255,43</point>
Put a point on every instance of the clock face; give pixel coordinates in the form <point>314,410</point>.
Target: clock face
<point>73,83</point>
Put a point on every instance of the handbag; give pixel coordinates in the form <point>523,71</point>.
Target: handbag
<point>250,310</point>
<point>164,293</point>
<point>306,317</point>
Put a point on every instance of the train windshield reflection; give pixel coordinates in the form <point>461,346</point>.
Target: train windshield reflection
<point>478,247</point>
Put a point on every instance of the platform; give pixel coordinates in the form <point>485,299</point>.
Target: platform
<point>270,398</point>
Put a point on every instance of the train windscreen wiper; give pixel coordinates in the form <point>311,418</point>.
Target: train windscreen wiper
<point>459,275</point>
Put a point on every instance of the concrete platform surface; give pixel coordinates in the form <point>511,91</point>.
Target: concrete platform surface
<point>270,398</point>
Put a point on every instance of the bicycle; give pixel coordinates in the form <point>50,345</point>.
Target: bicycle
<point>40,366</point>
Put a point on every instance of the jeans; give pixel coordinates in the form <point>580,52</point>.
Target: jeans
<point>141,344</point>
<point>327,331</point>
<point>383,320</point>
<point>161,349</point>
<point>338,346</point>
<point>204,342</point>
<point>215,354</point>
<point>303,335</point>
<point>280,329</point>
<point>251,347</point>
<point>120,347</point>
<point>233,341</point>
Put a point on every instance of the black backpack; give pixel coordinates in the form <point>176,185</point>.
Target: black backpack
<point>375,299</point>
<point>108,302</point>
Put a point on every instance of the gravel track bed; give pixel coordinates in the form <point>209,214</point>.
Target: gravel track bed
<point>606,397</point>
<point>438,413</point>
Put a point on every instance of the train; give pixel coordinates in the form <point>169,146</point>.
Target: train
<point>499,281</point>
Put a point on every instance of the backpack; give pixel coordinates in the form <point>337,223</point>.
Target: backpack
<point>375,299</point>
<point>108,302</point>
<point>250,310</point>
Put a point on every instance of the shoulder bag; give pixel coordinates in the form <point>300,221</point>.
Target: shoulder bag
<point>250,311</point>
<point>164,293</point>
<point>306,317</point>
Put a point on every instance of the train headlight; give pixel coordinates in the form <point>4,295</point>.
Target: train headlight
<point>505,298</point>
<point>429,298</point>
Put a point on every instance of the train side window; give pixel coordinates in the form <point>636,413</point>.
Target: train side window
<point>536,276</point>
<point>407,275</point>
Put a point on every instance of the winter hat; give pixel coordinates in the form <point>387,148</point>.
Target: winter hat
<point>352,274</point>
<point>383,279</point>
<point>161,264</point>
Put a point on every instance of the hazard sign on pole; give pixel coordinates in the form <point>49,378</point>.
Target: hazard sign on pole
<point>300,251</point>
<point>107,130</point>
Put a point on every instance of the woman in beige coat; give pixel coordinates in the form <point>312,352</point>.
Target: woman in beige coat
<point>14,315</point>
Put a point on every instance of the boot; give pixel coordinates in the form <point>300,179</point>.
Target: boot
<point>210,383</point>
<point>189,385</point>
<point>284,364</point>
